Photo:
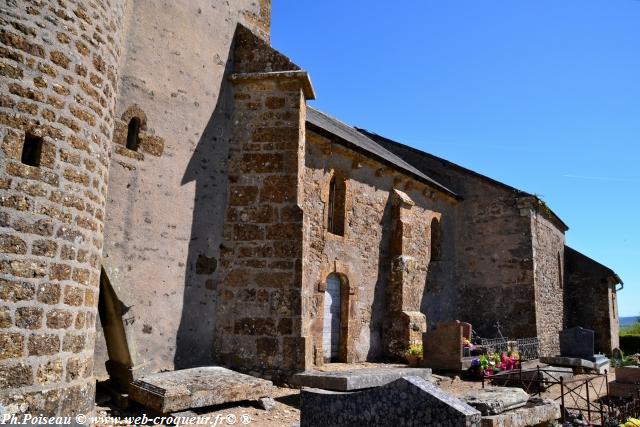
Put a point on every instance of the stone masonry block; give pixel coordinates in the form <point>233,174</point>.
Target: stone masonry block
<point>43,344</point>
<point>29,317</point>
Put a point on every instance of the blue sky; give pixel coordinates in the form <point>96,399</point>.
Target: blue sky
<point>541,94</point>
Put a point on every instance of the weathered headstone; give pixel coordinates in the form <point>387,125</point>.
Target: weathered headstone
<point>409,401</point>
<point>175,391</point>
<point>442,346</point>
<point>356,379</point>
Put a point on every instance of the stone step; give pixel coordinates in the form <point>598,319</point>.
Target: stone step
<point>175,391</point>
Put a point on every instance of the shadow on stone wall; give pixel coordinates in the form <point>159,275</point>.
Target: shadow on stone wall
<point>208,168</point>
<point>378,309</point>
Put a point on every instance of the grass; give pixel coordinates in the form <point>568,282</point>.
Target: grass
<point>630,338</point>
<point>631,329</point>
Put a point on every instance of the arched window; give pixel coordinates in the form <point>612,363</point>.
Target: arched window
<point>337,201</point>
<point>133,135</point>
<point>614,306</point>
<point>436,240</point>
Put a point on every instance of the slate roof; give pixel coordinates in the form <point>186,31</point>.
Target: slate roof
<point>349,137</point>
<point>574,256</point>
<point>378,139</point>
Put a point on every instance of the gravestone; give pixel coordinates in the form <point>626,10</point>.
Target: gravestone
<point>628,375</point>
<point>409,401</point>
<point>627,382</point>
<point>577,351</point>
<point>577,342</point>
<point>442,346</point>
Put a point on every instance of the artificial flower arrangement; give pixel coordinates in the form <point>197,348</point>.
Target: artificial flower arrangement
<point>468,347</point>
<point>492,363</point>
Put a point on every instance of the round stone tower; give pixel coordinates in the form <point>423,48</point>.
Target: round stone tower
<point>58,74</point>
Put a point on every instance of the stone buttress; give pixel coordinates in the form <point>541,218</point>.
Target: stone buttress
<point>259,313</point>
<point>404,322</point>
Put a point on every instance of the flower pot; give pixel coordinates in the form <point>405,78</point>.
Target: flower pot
<point>413,360</point>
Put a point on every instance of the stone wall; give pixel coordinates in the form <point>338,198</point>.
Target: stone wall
<point>58,75</point>
<point>548,265</point>
<point>494,261</point>
<point>363,256</point>
<point>591,300</point>
<point>491,272</point>
<point>166,201</point>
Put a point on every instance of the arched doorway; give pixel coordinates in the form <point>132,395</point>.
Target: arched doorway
<point>332,314</point>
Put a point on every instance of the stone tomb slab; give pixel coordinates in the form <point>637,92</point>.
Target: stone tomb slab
<point>598,363</point>
<point>174,391</point>
<point>537,412</point>
<point>357,379</point>
<point>533,379</point>
<point>496,400</point>
<point>409,401</point>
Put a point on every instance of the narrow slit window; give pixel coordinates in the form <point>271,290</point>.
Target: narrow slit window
<point>337,201</point>
<point>436,240</point>
<point>133,135</point>
<point>560,275</point>
<point>31,150</point>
